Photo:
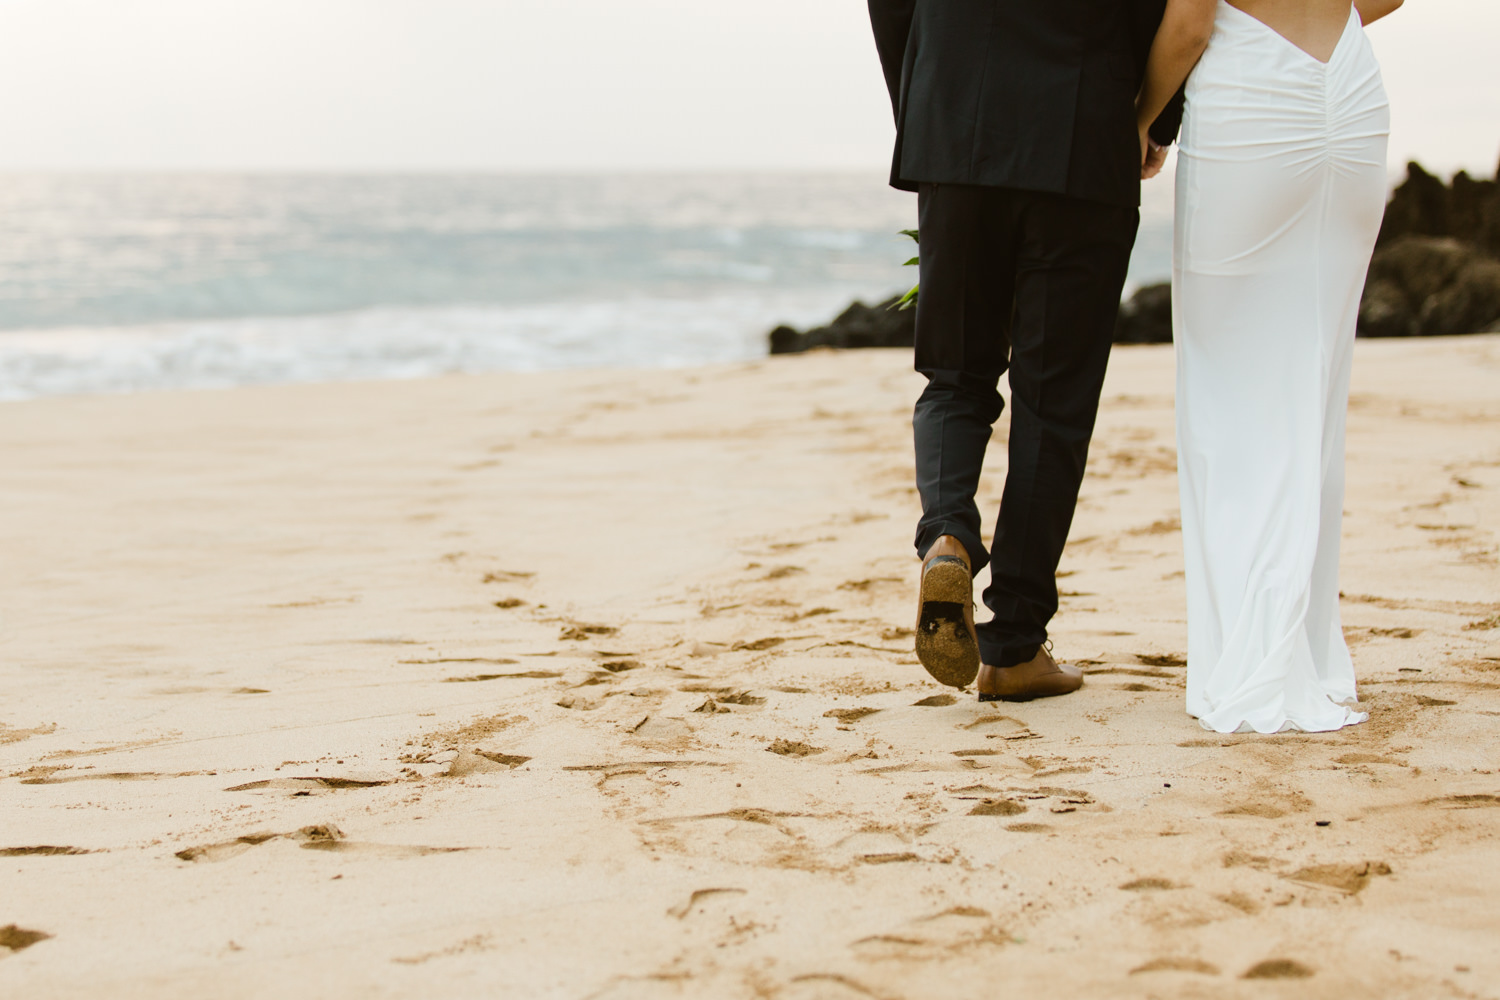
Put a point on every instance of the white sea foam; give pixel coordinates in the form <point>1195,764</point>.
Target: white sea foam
<point>401,343</point>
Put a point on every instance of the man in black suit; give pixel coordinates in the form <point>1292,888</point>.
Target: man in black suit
<point>1016,125</point>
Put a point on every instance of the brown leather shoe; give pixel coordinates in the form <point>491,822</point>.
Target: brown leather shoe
<point>1039,677</point>
<point>946,643</point>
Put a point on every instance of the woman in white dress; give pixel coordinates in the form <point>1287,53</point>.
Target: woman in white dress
<point>1281,185</point>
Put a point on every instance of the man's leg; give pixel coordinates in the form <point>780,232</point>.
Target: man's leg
<point>1071,264</point>
<point>963,317</point>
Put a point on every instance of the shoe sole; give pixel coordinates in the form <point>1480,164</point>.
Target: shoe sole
<point>946,644</point>
<point>1025,697</point>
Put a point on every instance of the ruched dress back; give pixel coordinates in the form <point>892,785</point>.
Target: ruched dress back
<point>1281,184</point>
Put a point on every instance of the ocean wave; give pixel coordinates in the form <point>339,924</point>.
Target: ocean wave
<point>396,343</point>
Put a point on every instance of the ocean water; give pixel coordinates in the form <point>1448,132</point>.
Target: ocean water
<point>129,282</point>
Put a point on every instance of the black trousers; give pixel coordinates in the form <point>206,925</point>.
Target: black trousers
<point>1025,283</point>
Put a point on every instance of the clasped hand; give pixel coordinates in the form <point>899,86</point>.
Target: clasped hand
<point>1153,157</point>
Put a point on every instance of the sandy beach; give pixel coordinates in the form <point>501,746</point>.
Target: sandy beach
<point>600,685</point>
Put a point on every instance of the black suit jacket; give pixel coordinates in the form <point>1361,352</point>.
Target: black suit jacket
<point>1037,95</point>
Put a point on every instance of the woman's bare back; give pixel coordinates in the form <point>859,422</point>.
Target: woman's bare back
<point>1314,26</point>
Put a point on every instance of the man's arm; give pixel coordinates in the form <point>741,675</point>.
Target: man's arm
<point>891,20</point>
<point>1164,130</point>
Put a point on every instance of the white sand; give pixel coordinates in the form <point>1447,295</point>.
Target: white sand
<point>272,611</point>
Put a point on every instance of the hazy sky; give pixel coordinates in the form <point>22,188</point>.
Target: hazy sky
<point>550,84</point>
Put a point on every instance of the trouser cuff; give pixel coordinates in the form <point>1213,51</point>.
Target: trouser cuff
<point>928,534</point>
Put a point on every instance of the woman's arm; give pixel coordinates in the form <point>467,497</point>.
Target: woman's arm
<point>1371,11</point>
<point>1180,41</point>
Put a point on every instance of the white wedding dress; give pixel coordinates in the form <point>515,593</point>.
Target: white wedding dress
<point>1281,184</point>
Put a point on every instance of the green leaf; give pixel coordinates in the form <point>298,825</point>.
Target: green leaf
<point>908,300</point>
<point>912,233</point>
<point>913,262</point>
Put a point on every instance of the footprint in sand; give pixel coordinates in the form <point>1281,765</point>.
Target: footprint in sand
<point>106,776</point>
<point>40,851</point>
<point>482,762</point>
<point>1001,727</point>
<point>1350,879</point>
<point>1194,965</point>
<point>224,850</point>
<point>1242,859</point>
<point>535,675</point>
<point>577,704</point>
<point>1260,810</point>
<point>749,835</point>
<point>308,785</point>
<point>849,715</point>
<point>826,986</point>
<point>1368,758</point>
<point>958,929</point>
<point>506,576</point>
<point>757,645</point>
<point>864,586</point>
<point>1278,968</point>
<point>1149,885</point>
<point>17,939</point>
<point>479,942</point>
<point>743,699</point>
<point>1241,902</point>
<point>580,632</point>
<point>378,850</point>
<point>793,748</point>
<point>662,731</point>
<point>725,695</point>
<point>692,907</point>
<point>17,735</point>
<point>324,837</point>
<point>1354,635</point>
<point>496,660</point>
<point>1477,801</point>
<point>896,857</point>
<point>936,701</point>
<point>620,666</point>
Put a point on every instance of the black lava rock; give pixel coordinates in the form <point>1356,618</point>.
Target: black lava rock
<point>1430,286</point>
<point>1436,272</point>
<point>1466,210</point>
<point>858,326</point>
<point>1146,317</point>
